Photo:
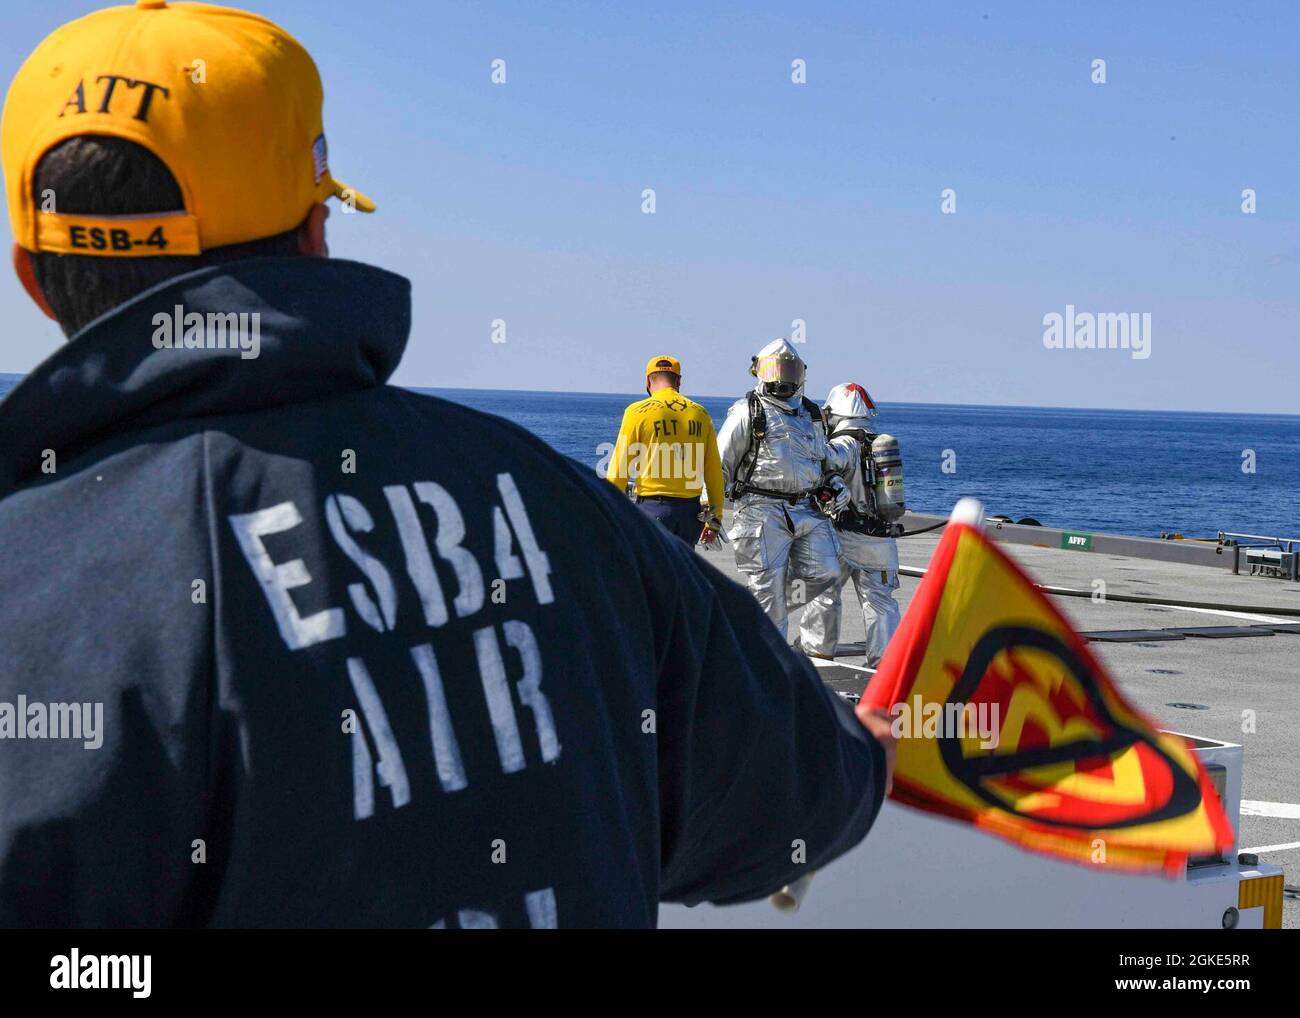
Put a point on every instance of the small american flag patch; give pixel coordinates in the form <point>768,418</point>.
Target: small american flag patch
<point>320,162</point>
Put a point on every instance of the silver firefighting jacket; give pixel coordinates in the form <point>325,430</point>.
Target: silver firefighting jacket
<point>793,454</point>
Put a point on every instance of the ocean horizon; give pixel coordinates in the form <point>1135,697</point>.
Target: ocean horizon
<point>1141,472</point>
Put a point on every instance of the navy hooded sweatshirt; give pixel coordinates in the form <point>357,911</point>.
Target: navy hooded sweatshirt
<point>363,657</point>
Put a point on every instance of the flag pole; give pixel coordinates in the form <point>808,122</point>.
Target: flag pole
<point>791,896</point>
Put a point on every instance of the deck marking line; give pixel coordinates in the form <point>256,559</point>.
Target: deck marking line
<point>1122,599</point>
<point>823,663</point>
<point>1226,614</point>
<point>1282,810</point>
<point>1271,848</point>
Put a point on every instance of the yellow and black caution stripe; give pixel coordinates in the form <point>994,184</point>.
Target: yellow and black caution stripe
<point>1254,892</point>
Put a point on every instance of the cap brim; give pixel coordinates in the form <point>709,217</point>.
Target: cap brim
<point>352,196</point>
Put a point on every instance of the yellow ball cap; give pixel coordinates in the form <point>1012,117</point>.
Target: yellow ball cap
<point>229,101</point>
<point>663,363</point>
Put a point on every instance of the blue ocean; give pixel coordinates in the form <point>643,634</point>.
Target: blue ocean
<point>1117,471</point>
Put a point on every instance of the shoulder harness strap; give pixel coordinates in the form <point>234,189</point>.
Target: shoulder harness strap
<point>757,429</point>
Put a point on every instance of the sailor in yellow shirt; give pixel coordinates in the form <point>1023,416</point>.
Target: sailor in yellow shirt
<point>667,444</point>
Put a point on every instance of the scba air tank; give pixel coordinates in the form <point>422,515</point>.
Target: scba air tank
<point>888,462</point>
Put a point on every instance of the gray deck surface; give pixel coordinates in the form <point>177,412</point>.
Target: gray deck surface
<point>1226,676</point>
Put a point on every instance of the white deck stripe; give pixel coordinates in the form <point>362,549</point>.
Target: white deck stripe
<point>1249,616</point>
<point>1226,614</point>
<point>1284,810</point>
<point>1271,848</point>
<point>821,662</point>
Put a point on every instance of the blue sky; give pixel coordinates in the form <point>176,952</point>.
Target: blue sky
<point>820,201</point>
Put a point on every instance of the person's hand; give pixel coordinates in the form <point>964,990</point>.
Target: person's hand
<point>841,498</point>
<point>881,726</point>
<point>708,535</point>
<point>833,496</point>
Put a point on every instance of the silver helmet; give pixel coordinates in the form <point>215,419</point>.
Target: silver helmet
<point>780,370</point>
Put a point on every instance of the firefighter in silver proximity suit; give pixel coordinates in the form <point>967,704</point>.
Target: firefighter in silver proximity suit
<point>775,463</point>
<point>865,527</point>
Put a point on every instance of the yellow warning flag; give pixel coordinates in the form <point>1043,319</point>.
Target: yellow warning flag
<point>1006,721</point>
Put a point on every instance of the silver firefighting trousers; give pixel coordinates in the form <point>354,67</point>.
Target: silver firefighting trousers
<point>775,542</point>
<point>872,564</point>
